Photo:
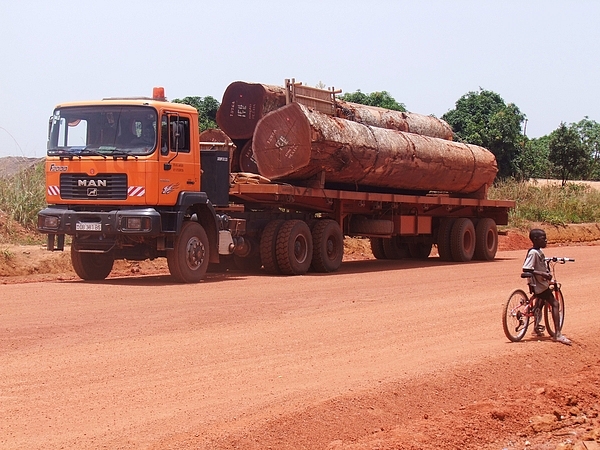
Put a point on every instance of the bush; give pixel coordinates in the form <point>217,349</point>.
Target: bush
<point>23,195</point>
<point>549,203</point>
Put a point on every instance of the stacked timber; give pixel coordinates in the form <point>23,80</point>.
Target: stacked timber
<point>297,143</point>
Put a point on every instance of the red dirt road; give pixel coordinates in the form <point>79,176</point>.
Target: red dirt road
<point>383,354</point>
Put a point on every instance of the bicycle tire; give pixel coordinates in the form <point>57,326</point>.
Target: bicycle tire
<point>514,321</point>
<point>548,314</point>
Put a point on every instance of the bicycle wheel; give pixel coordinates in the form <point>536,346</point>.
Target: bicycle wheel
<point>514,318</point>
<point>548,313</point>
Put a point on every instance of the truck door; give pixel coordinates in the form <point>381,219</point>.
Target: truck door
<point>179,169</point>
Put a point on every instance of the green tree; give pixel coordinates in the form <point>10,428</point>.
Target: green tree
<point>483,118</point>
<point>533,161</point>
<point>207,110</point>
<point>589,134</point>
<point>381,99</point>
<point>567,153</point>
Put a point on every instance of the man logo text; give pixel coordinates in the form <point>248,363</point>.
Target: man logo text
<point>91,183</point>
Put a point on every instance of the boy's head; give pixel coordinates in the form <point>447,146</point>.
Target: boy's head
<point>538,238</point>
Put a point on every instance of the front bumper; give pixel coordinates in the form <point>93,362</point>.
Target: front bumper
<point>136,221</point>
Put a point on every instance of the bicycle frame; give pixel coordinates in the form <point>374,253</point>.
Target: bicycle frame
<point>520,307</point>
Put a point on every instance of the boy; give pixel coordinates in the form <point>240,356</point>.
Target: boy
<point>534,263</point>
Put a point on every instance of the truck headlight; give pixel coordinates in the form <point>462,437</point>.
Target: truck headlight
<point>136,224</point>
<point>48,222</point>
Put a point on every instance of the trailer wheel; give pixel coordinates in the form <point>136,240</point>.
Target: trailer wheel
<point>377,248</point>
<point>268,246</point>
<point>251,262</point>
<point>328,246</point>
<point>419,250</point>
<point>91,266</point>
<point>462,240</point>
<point>294,247</point>
<point>486,240</point>
<point>443,239</point>
<point>394,248</point>
<point>188,260</point>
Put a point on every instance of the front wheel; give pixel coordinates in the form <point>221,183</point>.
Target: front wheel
<point>91,266</point>
<point>548,313</point>
<point>188,260</point>
<point>514,318</point>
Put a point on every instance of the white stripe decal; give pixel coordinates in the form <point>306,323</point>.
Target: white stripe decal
<point>53,190</point>
<point>136,191</point>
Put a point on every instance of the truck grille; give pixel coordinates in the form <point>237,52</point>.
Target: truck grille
<point>111,186</point>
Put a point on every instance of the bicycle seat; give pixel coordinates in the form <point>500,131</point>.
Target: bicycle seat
<point>526,275</point>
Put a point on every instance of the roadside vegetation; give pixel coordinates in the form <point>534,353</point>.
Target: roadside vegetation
<point>21,197</point>
<point>554,204</point>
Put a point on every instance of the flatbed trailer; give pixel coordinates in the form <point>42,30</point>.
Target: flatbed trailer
<point>398,225</point>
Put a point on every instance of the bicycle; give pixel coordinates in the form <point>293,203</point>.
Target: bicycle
<point>520,307</point>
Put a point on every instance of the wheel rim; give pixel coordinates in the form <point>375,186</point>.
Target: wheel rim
<point>331,249</point>
<point>490,240</point>
<point>195,253</point>
<point>300,249</point>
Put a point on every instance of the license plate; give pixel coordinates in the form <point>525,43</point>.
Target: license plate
<point>88,226</point>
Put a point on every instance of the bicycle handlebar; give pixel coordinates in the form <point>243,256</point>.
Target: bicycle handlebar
<point>560,260</point>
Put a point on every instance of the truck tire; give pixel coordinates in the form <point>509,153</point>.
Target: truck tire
<point>328,246</point>
<point>91,266</point>
<point>419,250</point>
<point>188,260</point>
<point>294,247</point>
<point>250,262</point>
<point>486,239</point>
<point>394,248</point>
<point>462,240</point>
<point>443,239</point>
<point>268,246</point>
<point>377,248</point>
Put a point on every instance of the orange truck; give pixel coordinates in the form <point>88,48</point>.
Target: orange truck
<point>130,179</point>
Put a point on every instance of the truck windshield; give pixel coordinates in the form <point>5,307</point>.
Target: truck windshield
<point>103,130</point>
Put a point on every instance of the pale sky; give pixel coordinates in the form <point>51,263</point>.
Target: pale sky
<point>543,56</point>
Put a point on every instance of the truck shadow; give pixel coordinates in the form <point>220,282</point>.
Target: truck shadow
<point>347,267</point>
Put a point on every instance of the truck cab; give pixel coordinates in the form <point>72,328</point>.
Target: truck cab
<point>123,176</point>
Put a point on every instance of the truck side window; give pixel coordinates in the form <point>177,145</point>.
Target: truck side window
<point>180,134</point>
<point>164,135</point>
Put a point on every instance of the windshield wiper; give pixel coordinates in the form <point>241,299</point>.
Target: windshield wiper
<point>89,151</point>
<point>122,154</point>
<point>65,153</point>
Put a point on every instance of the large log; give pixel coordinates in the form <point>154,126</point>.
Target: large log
<point>394,120</point>
<point>296,143</point>
<point>244,104</point>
